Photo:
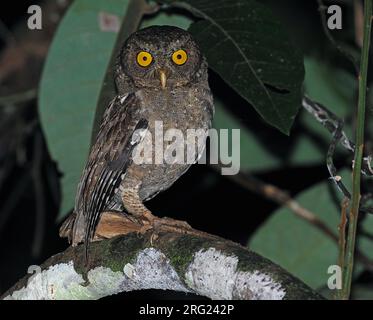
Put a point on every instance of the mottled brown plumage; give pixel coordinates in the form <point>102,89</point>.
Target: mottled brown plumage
<point>177,95</point>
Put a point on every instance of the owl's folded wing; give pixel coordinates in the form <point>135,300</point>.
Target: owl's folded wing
<point>108,161</point>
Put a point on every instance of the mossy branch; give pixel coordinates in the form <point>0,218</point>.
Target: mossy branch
<point>207,266</point>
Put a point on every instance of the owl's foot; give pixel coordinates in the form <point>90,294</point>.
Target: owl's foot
<point>167,222</point>
<point>114,223</point>
<point>149,222</point>
<point>146,217</point>
<point>135,206</point>
<point>169,225</point>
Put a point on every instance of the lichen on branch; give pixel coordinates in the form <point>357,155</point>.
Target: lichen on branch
<point>210,267</point>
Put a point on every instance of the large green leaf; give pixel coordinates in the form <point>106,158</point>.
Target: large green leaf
<point>249,49</point>
<point>309,143</point>
<point>295,244</point>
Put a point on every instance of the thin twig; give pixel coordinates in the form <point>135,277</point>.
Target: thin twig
<point>280,197</point>
<point>335,126</point>
<point>356,173</point>
<point>337,135</point>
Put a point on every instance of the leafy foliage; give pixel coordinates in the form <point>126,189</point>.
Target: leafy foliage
<point>249,49</point>
<point>325,84</point>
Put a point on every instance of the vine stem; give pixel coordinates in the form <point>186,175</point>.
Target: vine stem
<point>356,174</point>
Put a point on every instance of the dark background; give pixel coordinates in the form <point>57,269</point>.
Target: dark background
<point>29,190</point>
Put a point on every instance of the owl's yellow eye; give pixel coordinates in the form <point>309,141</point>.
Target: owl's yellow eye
<point>179,57</point>
<point>144,58</point>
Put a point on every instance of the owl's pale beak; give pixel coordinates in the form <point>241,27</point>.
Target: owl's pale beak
<point>163,78</point>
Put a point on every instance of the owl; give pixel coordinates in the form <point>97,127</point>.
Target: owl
<point>161,77</point>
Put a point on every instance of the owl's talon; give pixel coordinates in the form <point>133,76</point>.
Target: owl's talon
<point>173,223</point>
<point>168,225</point>
<point>154,236</point>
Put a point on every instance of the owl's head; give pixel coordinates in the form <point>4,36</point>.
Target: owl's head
<point>161,57</point>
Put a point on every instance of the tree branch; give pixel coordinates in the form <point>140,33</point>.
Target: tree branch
<point>205,265</point>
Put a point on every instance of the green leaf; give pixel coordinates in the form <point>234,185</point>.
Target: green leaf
<point>249,49</point>
<point>295,244</point>
<point>309,143</point>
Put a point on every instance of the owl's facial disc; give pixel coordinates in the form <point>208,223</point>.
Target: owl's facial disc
<point>161,57</point>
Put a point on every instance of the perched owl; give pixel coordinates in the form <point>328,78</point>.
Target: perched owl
<point>161,76</point>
